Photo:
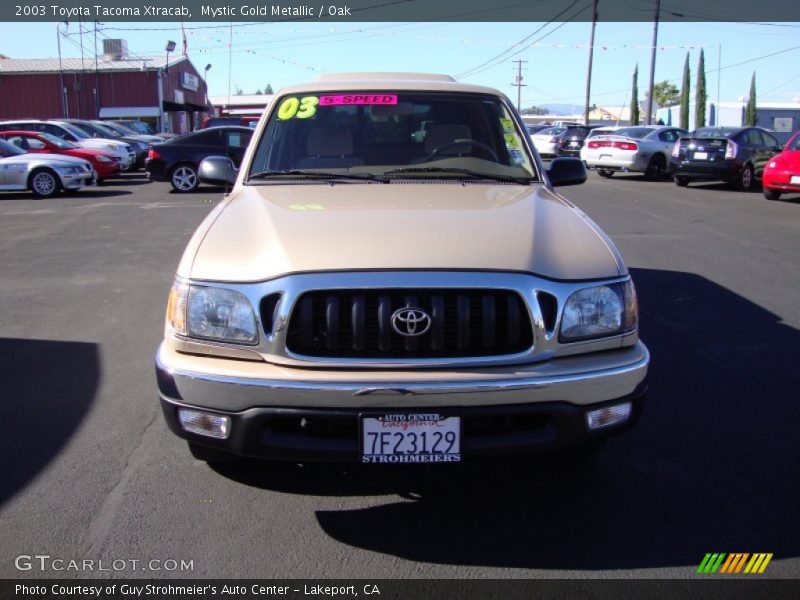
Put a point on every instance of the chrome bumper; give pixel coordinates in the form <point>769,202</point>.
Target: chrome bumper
<point>235,385</point>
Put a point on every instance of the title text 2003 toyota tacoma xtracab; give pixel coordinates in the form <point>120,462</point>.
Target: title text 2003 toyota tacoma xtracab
<point>393,279</point>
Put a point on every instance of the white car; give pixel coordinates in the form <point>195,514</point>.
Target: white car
<point>640,149</point>
<point>546,140</point>
<point>42,174</point>
<point>66,131</point>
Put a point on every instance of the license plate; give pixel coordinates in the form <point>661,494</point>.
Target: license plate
<point>605,157</point>
<point>410,438</point>
<point>573,144</point>
<point>795,180</point>
<point>701,155</point>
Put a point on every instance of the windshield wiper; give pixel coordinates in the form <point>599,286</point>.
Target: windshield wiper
<point>316,175</point>
<point>460,172</point>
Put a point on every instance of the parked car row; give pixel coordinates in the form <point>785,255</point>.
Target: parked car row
<point>740,156</point>
<point>43,175</point>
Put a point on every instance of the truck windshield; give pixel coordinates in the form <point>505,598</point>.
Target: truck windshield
<point>391,135</point>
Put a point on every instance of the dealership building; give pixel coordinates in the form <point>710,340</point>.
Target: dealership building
<point>166,91</point>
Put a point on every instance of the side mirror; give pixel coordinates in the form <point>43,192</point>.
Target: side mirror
<point>217,170</point>
<point>566,171</point>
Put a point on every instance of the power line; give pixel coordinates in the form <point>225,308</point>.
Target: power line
<point>505,54</point>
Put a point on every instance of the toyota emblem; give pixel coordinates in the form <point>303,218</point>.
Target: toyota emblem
<point>411,322</point>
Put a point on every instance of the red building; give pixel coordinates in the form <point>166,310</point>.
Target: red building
<point>118,85</point>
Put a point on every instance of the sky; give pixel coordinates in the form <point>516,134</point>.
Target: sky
<point>556,57</point>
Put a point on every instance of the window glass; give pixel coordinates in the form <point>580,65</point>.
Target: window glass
<point>753,137</point>
<point>379,132</point>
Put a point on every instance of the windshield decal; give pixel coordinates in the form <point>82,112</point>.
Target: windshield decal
<point>301,108</point>
<point>350,99</point>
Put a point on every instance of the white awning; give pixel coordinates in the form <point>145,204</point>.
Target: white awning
<point>120,112</point>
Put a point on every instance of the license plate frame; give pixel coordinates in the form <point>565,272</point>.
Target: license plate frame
<point>700,156</point>
<point>404,423</point>
<point>794,180</point>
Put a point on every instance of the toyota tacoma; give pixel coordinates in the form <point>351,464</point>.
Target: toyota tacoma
<point>394,278</point>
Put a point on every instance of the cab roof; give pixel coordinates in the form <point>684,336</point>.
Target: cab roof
<point>369,81</point>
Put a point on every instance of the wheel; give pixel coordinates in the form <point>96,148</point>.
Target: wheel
<point>460,142</point>
<point>44,183</point>
<point>211,455</point>
<point>746,179</point>
<point>605,173</point>
<point>657,169</point>
<point>771,194</point>
<point>681,181</point>
<point>100,181</point>
<point>184,178</point>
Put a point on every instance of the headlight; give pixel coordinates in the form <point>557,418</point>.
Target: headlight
<point>115,146</point>
<point>73,170</point>
<point>211,313</point>
<point>599,311</point>
<point>103,159</point>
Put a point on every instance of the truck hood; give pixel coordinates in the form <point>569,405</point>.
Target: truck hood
<point>262,232</point>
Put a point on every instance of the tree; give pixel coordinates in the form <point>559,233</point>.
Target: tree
<point>238,91</point>
<point>700,94</point>
<point>535,110</point>
<point>666,93</point>
<point>268,89</point>
<point>750,116</point>
<point>684,124</point>
<point>635,97</point>
<point>258,92</point>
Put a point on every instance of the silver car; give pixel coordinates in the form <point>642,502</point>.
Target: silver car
<point>42,174</point>
<point>640,149</point>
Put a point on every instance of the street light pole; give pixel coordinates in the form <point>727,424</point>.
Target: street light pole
<point>649,112</point>
<point>589,70</point>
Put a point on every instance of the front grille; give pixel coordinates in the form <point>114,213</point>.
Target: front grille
<point>357,324</point>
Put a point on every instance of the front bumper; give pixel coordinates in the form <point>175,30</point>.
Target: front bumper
<point>313,414</point>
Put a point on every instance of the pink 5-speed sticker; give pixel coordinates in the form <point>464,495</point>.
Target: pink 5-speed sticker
<point>358,99</point>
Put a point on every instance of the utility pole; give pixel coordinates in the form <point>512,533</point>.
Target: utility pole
<point>519,85</point>
<point>649,112</point>
<point>589,70</point>
<point>63,94</point>
<point>719,75</point>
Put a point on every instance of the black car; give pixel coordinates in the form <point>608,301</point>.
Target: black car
<point>97,130</point>
<point>177,160</point>
<point>735,155</point>
<point>571,141</point>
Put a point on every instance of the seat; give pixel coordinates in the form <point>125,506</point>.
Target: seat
<point>329,148</point>
<point>439,135</point>
<point>23,144</point>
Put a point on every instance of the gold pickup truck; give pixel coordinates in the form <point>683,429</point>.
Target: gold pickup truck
<point>369,294</point>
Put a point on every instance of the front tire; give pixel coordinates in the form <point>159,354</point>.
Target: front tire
<point>746,179</point>
<point>605,173</point>
<point>44,183</point>
<point>184,178</point>
<point>681,181</point>
<point>771,194</point>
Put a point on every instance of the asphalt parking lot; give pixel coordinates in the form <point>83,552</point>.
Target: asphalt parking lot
<point>91,471</point>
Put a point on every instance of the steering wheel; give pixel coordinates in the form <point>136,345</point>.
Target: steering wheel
<point>460,142</point>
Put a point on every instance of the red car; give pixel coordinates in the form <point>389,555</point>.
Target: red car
<point>782,173</point>
<point>34,142</point>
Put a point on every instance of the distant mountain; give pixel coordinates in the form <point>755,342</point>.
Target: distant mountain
<point>563,109</point>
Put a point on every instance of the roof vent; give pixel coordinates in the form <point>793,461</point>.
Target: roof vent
<point>115,49</point>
